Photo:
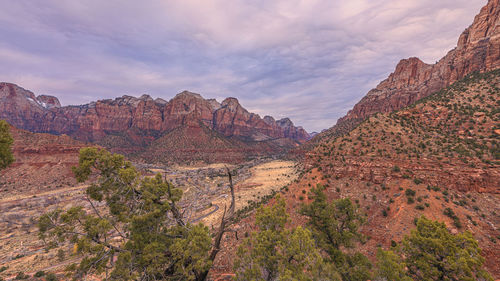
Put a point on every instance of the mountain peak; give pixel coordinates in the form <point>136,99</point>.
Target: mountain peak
<point>187,94</point>
<point>231,103</point>
<point>48,101</point>
<point>486,24</point>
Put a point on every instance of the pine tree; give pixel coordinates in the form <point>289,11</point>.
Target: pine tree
<point>6,157</point>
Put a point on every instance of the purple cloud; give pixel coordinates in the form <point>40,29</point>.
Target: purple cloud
<point>307,60</point>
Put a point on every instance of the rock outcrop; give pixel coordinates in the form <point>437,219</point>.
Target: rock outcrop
<point>478,49</point>
<point>128,124</point>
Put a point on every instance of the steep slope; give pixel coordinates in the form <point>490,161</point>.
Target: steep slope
<point>478,49</point>
<point>43,161</point>
<point>444,150</point>
<point>129,125</point>
<point>449,138</point>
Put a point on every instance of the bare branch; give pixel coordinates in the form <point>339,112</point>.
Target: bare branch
<point>225,221</point>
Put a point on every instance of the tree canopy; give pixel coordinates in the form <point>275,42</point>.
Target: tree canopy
<point>433,253</point>
<point>134,228</point>
<point>335,227</point>
<point>6,140</point>
<point>277,253</point>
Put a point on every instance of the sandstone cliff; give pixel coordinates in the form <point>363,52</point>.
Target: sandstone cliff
<point>128,124</point>
<point>478,49</point>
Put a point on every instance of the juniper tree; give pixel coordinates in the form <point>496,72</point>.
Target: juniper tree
<point>432,253</point>
<point>134,229</point>
<point>277,253</point>
<point>390,267</point>
<point>6,157</point>
<point>335,228</point>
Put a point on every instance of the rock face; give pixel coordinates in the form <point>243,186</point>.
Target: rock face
<point>129,124</point>
<point>478,49</point>
<point>46,158</point>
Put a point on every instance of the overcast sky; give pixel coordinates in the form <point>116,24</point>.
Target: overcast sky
<point>309,60</point>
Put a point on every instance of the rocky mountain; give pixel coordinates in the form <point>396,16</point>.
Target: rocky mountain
<point>478,49</point>
<point>129,124</point>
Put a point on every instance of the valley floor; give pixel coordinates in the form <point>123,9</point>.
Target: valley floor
<point>206,193</point>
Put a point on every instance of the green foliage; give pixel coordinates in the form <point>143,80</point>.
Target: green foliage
<point>6,140</point>
<point>390,267</point>
<point>39,273</point>
<point>335,227</point>
<point>432,253</point>
<point>140,234</point>
<point>21,276</point>
<point>276,253</point>
<point>51,277</point>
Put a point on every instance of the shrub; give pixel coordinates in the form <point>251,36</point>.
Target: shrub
<point>410,192</point>
<point>384,213</point>
<point>21,275</point>
<point>51,277</point>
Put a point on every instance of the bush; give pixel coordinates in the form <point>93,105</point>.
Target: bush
<point>410,192</point>
<point>21,275</point>
<point>39,273</point>
<point>396,169</point>
<point>51,277</point>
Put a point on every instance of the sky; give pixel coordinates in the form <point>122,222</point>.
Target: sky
<point>309,60</point>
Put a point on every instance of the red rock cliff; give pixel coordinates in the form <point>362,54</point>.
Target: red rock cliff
<point>129,123</point>
<point>478,49</point>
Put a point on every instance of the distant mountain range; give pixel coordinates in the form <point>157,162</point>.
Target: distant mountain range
<point>186,128</point>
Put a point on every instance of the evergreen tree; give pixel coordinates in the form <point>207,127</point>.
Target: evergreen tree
<point>277,253</point>
<point>335,228</point>
<point>432,253</point>
<point>390,267</point>
<point>6,157</point>
<point>140,235</point>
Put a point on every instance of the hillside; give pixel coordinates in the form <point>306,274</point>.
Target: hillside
<point>456,128</point>
<point>440,153</point>
<point>43,162</point>
<point>438,158</point>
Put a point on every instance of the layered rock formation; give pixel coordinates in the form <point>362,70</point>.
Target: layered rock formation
<point>129,124</point>
<point>478,49</point>
<point>42,161</point>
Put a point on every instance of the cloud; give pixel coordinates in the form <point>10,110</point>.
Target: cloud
<point>310,60</point>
